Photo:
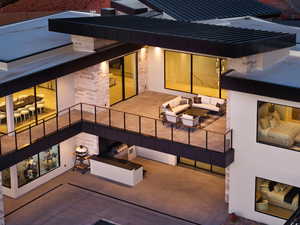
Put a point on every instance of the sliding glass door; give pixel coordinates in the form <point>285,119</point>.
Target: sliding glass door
<point>123,78</point>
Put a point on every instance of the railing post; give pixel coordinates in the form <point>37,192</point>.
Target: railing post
<point>44,127</point>
<point>206,139</point>
<point>189,136</point>
<point>70,121</point>
<point>0,145</point>
<point>124,118</point>
<point>16,141</point>
<point>56,123</point>
<point>81,112</point>
<point>95,110</point>
<point>140,124</point>
<point>30,135</point>
<point>172,132</point>
<point>109,117</point>
<point>230,139</point>
<point>224,142</point>
<point>155,128</point>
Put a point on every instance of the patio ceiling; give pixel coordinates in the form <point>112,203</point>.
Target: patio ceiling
<point>184,36</point>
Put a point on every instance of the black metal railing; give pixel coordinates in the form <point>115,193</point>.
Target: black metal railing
<point>294,219</point>
<point>143,125</point>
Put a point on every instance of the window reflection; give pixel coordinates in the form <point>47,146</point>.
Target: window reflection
<point>278,125</point>
<point>38,165</point>
<point>6,178</point>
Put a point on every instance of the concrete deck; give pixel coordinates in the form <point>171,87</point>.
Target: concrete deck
<point>181,192</point>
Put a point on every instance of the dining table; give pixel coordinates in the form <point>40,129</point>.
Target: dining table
<point>29,100</point>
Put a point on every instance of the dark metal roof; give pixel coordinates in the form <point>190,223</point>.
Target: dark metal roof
<point>184,36</point>
<point>31,37</point>
<point>193,10</point>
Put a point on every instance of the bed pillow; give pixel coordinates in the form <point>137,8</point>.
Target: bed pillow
<point>274,123</point>
<point>264,123</point>
<point>276,115</point>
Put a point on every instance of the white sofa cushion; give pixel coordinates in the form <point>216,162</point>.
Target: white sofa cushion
<point>214,101</point>
<point>205,100</point>
<point>180,108</point>
<point>169,113</point>
<point>207,106</point>
<point>187,117</point>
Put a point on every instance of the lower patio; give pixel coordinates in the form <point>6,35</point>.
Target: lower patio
<point>167,195</point>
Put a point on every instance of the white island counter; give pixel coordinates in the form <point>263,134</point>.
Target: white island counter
<point>118,170</point>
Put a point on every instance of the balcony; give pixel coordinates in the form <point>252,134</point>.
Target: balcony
<point>211,144</point>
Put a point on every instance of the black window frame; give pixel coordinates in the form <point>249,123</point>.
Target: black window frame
<point>256,178</point>
<point>257,117</point>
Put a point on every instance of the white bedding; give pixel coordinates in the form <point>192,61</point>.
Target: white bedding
<point>284,134</point>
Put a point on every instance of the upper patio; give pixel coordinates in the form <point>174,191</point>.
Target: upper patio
<point>135,121</point>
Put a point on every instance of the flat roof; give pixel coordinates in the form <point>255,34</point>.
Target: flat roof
<point>193,10</point>
<point>58,64</point>
<point>129,6</point>
<point>32,37</point>
<point>184,36</point>
<point>279,81</point>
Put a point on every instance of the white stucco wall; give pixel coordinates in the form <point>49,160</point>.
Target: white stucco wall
<point>156,156</point>
<point>256,160</point>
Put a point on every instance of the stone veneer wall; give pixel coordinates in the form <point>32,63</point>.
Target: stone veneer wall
<point>142,70</point>
<point>92,87</point>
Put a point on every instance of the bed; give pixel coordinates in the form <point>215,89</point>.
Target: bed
<point>277,198</point>
<point>272,129</point>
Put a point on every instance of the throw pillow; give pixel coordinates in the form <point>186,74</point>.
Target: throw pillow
<point>264,123</point>
<point>218,105</point>
<point>183,102</point>
<point>168,107</point>
<point>197,100</point>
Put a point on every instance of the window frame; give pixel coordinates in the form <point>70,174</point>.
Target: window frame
<point>256,178</point>
<point>257,116</point>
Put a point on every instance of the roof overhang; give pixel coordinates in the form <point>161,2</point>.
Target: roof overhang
<point>232,82</point>
<point>53,69</point>
<point>199,38</point>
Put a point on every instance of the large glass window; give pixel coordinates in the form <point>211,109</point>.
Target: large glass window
<point>178,71</point>
<point>24,108</point>
<point>276,199</point>
<point>38,165</point>
<point>278,125</point>
<point>130,75</point>
<point>6,178</point>
<point>194,73</point>
<point>3,124</point>
<point>116,80</point>
<point>206,75</point>
<point>123,78</point>
<point>46,99</point>
<point>34,104</point>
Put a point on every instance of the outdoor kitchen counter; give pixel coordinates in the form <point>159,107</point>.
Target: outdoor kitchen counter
<point>118,170</point>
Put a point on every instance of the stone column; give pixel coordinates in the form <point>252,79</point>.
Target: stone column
<point>92,87</point>
<point>142,69</point>
<point>10,113</point>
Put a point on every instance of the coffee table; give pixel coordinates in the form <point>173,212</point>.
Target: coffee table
<point>196,112</point>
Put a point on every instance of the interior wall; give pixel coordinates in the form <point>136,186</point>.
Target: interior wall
<point>253,159</point>
<point>65,92</point>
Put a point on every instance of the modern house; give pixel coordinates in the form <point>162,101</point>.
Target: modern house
<point>215,94</point>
